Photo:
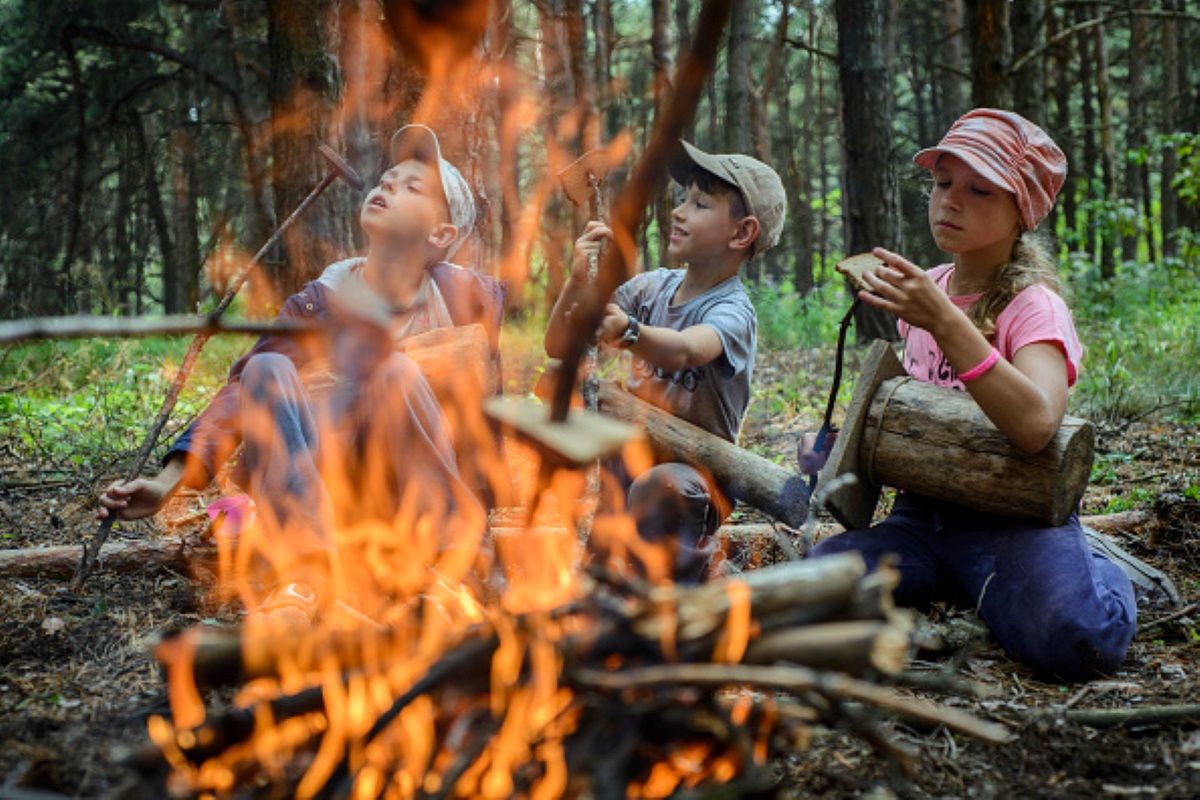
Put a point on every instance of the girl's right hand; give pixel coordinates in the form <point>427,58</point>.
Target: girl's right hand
<point>907,291</point>
<point>589,242</point>
<point>130,500</point>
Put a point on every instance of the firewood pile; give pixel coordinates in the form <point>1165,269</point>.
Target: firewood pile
<point>624,689</point>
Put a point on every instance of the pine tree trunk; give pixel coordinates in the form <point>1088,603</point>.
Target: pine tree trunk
<point>605,41</point>
<point>1108,154</point>
<point>869,189</point>
<point>1062,132</point>
<point>991,52</point>
<point>799,172</point>
<point>1136,173</point>
<point>1168,100</point>
<point>950,95</point>
<point>683,42</point>
<point>559,98</point>
<point>737,89</point>
<point>303,92</point>
<point>1028,83</point>
<point>663,62</point>
<point>1091,151</point>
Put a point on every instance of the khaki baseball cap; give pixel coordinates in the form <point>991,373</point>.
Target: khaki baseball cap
<point>759,185</point>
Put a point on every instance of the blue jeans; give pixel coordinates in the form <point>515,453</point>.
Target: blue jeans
<point>674,505</point>
<point>357,450</point>
<point>1053,605</point>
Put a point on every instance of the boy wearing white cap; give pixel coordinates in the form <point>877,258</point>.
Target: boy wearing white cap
<point>379,418</point>
<point>693,336</point>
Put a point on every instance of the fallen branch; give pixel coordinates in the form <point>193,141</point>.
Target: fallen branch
<point>796,679</point>
<point>85,327</point>
<point>125,557</point>
<point>1146,715</point>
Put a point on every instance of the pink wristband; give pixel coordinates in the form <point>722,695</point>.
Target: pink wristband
<point>982,367</point>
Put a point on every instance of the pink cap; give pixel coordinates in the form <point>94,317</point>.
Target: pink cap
<point>1010,152</point>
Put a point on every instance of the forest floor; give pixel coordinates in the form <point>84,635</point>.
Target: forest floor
<point>77,680</point>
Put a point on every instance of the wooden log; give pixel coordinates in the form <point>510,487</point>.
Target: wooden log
<point>749,478</point>
<point>938,442</point>
<point>124,557</point>
<point>697,611</point>
<point>850,647</point>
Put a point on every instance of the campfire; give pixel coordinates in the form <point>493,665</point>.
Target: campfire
<point>616,687</point>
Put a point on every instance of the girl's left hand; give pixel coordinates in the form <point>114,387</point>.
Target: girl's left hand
<point>905,290</point>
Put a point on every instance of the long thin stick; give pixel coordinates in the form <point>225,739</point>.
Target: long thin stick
<point>91,548</point>
<point>86,327</point>
<point>797,679</point>
<point>631,204</point>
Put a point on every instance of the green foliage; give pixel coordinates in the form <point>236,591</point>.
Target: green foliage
<point>789,320</point>
<point>79,404</point>
<point>1139,330</point>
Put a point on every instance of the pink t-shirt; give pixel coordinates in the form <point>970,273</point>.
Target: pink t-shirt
<point>1037,314</point>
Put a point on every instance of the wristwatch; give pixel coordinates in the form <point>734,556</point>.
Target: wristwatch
<point>633,330</point>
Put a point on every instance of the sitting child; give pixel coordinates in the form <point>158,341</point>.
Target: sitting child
<point>692,333</point>
<point>992,324</point>
<point>349,432</point>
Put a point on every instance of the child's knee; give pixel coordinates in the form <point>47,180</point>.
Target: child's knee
<point>1074,646</point>
<point>266,371</point>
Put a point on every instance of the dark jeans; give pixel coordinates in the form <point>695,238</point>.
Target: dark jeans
<point>1053,605</point>
<point>361,449</point>
<point>674,506</point>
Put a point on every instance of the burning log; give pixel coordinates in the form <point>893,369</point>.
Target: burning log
<point>640,699</point>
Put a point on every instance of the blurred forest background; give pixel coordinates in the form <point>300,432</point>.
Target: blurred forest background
<point>147,148</point>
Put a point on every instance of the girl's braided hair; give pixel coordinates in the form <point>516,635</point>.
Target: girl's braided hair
<point>1031,263</point>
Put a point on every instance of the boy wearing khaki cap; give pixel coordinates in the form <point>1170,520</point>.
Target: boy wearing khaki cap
<point>693,336</point>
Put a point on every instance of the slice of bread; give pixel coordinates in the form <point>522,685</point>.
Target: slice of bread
<point>854,267</point>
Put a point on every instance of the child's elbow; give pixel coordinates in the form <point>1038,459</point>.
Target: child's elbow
<point>1036,434</point>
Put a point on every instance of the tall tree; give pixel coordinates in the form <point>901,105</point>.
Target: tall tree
<point>991,52</point>
<point>1027,20</point>
<point>663,62</point>
<point>304,91</point>
<point>869,190</point>
<point>1137,174</point>
<point>950,96</point>
<point>737,86</point>
<point>1108,151</point>
<point>1061,56</point>
<point>1086,172</point>
<point>1168,101</point>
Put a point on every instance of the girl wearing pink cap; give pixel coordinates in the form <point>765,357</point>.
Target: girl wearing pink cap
<point>993,324</point>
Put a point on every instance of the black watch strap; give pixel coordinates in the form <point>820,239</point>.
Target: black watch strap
<point>633,331</point>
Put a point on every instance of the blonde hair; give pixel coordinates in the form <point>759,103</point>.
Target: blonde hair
<point>1032,263</point>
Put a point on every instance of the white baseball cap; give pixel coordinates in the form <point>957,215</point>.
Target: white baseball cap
<point>421,143</point>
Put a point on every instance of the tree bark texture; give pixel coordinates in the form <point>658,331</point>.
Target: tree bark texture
<point>937,442</point>
<point>304,90</point>
<point>870,194</point>
<point>991,52</point>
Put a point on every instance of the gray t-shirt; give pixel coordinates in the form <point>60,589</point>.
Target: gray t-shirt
<point>714,396</point>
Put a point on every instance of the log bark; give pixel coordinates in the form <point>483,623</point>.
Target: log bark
<point>851,647</point>
<point>938,442</point>
<point>747,477</point>
<point>124,557</point>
